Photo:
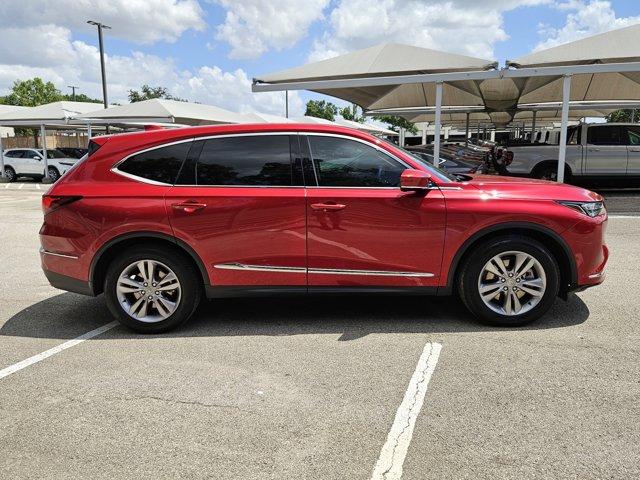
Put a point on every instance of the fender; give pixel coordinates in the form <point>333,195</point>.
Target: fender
<point>148,234</point>
<point>506,227</point>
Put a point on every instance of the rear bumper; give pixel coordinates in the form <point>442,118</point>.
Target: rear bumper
<point>70,284</point>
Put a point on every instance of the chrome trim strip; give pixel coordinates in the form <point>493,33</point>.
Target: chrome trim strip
<point>259,268</point>
<point>329,271</point>
<point>46,252</point>
<point>375,273</point>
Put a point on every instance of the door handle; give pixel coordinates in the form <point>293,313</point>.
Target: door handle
<point>594,149</point>
<point>189,206</point>
<point>328,207</point>
<point>635,150</point>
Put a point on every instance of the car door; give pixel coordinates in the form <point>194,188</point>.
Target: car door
<point>239,202</point>
<point>633,150</point>
<point>362,230</point>
<point>606,152</point>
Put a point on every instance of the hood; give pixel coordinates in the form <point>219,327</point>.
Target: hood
<point>524,188</point>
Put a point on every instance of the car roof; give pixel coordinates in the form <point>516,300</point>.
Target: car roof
<point>162,135</point>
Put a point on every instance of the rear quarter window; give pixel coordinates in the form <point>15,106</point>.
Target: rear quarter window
<point>160,164</point>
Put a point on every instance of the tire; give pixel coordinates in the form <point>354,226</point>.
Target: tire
<point>497,310</point>
<point>550,172</point>
<point>10,174</point>
<point>54,174</point>
<point>153,319</point>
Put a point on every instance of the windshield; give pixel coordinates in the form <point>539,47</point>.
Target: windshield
<point>437,172</point>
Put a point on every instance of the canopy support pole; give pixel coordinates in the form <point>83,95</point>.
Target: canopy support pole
<point>286,103</point>
<point>3,179</point>
<point>466,132</point>
<point>43,140</point>
<point>438,125</point>
<point>566,94</point>
<point>533,126</point>
<point>478,134</point>
<point>88,132</point>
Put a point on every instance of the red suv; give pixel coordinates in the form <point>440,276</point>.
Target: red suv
<point>156,220</point>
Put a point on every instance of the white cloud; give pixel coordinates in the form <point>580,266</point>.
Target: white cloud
<point>232,90</point>
<point>469,27</point>
<point>251,27</point>
<point>585,19</point>
<point>52,55</point>
<point>139,21</point>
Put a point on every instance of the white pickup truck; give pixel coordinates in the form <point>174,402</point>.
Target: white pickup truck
<point>29,162</point>
<point>595,152</point>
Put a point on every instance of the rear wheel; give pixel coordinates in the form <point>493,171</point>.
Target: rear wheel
<point>511,281</point>
<point>152,289</point>
<point>550,172</point>
<point>10,174</point>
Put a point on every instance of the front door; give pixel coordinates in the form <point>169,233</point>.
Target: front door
<point>362,230</point>
<point>606,153</point>
<point>239,202</point>
<point>633,150</point>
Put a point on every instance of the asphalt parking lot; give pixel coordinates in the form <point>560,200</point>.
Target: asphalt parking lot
<point>318,388</point>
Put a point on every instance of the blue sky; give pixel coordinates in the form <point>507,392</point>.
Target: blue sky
<point>208,50</point>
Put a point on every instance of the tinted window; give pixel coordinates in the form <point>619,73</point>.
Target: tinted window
<point>245,160</point>
<point>606,135</point>
<point>341,162</point>
<point>15,154</point>
<point>160,164</point>
<point>633,135</point>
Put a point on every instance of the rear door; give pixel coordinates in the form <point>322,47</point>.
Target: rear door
<point>633,150</point>
<point>363,231</point>
<point>239,202</point>
<point>606,151</point>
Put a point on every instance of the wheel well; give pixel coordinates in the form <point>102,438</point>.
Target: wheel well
<point>555,245</point>
<point>550,163</point>
<point>104,258</point>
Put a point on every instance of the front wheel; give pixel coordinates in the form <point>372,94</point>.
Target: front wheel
<point>509,281</point>
<point>54,175</point>
<point>152,289</point>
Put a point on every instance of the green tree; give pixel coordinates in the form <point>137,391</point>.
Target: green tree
<point>33,92</point>
<point>321,109</point>
<point>81,97</point>
<point>622,116</point>
<point>352,113</point>
<point>147,93</point>
<point>396,123</point>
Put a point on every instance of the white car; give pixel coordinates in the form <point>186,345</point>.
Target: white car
<point>29,162</point>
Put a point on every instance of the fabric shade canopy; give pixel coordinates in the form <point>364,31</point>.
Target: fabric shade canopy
<point>50,114</point>
<point>162,111</point>
<point>390,60</point>
<point>265,118</point>
<point>364,127</point>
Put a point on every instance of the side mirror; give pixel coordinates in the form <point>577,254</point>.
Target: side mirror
<point>415,180</point>
<point>36,157</point>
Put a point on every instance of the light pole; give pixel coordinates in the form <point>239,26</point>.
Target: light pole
<point>104,76</point>
<point>73,91</point>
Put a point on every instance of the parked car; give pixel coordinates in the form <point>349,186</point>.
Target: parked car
<point>73,152</point>
<point>29,162</point>
<point>598,153</point>
<point>157,220</point>
<point>451,165</point>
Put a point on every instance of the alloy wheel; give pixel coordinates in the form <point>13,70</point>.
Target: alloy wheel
<point>148,291</point>
<point>512,283</point>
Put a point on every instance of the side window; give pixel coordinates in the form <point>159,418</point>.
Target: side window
<point>16,154</point>
<point>262,160</point>
<point>341,162</point>
<point>160,164</point>
<point>633,135</point>
<point>604,135</point>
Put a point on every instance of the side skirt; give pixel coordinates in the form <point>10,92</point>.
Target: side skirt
<point>267,291</point>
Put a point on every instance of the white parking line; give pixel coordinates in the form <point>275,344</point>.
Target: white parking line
<point>391,459</point>
<point>20,187</point>
<point>5,372</point>
<point>624,216</point>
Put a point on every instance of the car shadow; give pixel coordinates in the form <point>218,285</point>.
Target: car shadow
<point>68,315</point>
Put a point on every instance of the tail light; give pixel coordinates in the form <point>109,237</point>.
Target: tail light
<point>51,203</point>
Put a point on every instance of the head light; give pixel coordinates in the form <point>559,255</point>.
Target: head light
<point>592,209</point>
